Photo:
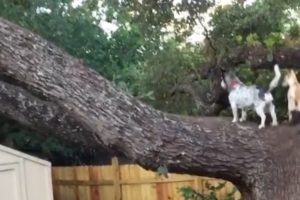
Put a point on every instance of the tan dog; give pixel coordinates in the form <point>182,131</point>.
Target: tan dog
<point>293,95</point>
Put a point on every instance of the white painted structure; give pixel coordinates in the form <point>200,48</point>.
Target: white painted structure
<point>24,177</point>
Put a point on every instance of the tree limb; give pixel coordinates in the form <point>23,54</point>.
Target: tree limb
<point>258,57</point>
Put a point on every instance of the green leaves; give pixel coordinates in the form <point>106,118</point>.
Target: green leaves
<point>261,23</point>
<point>167,69</point>
<point>273,39</point>
<point>23,139</point>
<point>294,31</point>
<point>188,193</point>
<point>252,40</point>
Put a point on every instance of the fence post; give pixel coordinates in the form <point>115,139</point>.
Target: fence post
<point>196,184</point>
<point>116,172</point>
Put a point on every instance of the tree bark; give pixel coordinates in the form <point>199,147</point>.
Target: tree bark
<point>44,88</point>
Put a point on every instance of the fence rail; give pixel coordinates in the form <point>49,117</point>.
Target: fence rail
<point>125,182</point>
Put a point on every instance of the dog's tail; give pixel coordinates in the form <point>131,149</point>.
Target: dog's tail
<point>275,81</point>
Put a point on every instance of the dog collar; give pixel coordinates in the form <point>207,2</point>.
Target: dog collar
<point>233,83</point>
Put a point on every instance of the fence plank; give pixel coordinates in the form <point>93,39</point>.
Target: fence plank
<point>149,189</point>
<point>134,173</point>
<point>94,175</point>
<point>107,174</point>
<point>82,174</point>
<point>126,192</point>
<point>67,192</point>
<point>116,172</point>
<point>125,182</point>
<point>56,188</point>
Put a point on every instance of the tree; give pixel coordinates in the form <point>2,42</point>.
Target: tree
<point>44,88</point>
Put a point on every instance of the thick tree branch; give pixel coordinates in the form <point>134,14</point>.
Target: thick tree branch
<point>258,57</point>
<point>45,88</point>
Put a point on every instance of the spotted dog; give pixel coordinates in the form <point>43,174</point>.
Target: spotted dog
<point>242,96</point>
<point>293,95</point>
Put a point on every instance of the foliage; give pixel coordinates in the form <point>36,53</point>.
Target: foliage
<point>188,193</point>
<point>23,139</point>
<point>165,70</point>
<point>153,18</point>
<point>261,23</point>
<point>77,31</point>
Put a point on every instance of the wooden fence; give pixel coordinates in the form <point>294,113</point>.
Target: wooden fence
<point>125,182</point>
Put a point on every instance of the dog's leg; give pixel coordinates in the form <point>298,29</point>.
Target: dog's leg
<point>260,112</point>
<point>291,107</point>
<point>234,112</point>
<point>297,105</point>
<point>244,116</point>
<point>273,114</point>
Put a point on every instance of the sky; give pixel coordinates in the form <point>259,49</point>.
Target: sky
<point>197,35</point>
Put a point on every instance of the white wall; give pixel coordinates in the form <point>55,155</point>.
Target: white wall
<point>24,177</point>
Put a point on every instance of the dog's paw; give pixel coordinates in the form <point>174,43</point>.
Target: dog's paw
<point>261,126</point>
<point>242,119</point>
<point>274,123</point>
<point>234,121</point>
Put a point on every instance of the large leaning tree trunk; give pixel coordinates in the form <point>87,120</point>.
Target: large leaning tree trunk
<point>44,88</point>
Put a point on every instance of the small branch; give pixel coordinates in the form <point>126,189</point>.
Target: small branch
<point>210,42</point>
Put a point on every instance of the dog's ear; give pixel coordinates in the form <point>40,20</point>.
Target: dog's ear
<point>223,72</point>
<point>223,69</point>
<point>232,73</point>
